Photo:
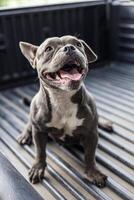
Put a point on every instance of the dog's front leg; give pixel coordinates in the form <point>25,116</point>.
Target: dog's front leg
<point>92,172</point>
<point>36,173</point>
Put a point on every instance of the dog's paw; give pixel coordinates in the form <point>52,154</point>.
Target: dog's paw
<point>25,139</point>
<point>96,177</point>
<point>105,124</point>
<point>108,126</point>
<point>36,173</point>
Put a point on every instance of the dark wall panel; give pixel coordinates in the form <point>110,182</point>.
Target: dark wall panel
<point>122,32</point>
<point>87,20</point>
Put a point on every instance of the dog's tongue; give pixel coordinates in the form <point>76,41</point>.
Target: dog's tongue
<point>72,74</point>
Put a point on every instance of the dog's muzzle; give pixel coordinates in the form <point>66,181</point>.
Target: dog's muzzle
<point>71,71</point>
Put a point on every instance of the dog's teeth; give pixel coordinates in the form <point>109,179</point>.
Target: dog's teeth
<point>57,77</point>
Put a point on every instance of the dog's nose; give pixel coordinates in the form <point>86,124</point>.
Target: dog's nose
<point>69,48</point>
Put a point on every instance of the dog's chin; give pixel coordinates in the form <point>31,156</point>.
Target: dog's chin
<point>68,77</point>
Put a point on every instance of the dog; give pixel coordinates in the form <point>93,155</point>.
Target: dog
<point>63,108</point>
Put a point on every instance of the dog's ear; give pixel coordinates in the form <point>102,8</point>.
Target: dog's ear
<point>29,51</point>
<point>91,56</point>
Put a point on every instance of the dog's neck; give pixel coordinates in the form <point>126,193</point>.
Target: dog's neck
<point>57,96</point>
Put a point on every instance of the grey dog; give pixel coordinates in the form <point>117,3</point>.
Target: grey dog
<point>62,108</point>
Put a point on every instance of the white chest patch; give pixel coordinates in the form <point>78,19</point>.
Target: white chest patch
<point>64,116</point>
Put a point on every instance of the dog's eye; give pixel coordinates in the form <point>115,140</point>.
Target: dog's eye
<point>49,48</point>
<point>79,44</point>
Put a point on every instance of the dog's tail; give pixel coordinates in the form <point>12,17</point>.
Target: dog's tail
<point>105,124</point>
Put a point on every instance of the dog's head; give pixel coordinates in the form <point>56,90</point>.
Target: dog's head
<point>61,62</point>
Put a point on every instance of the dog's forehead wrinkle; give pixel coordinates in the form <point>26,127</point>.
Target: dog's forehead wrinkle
<point>69,39</point>
<point>55,41</point>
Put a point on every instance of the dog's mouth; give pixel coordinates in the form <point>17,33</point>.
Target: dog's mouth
<point>71,71</point>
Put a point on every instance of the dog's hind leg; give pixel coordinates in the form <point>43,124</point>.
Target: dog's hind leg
<point>26,136</point>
